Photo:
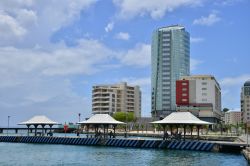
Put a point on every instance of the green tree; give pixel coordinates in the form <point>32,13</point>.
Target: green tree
<point>124,116</point>
<point>225,109</point>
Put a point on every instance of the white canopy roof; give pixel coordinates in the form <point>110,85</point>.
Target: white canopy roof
<point>39,120</point>
<point>101,119</point>
<point>181,118</point>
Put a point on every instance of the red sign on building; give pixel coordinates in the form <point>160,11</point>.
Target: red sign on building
<point>182,92</point>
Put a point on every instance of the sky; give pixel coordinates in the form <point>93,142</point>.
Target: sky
<point>53,51</point>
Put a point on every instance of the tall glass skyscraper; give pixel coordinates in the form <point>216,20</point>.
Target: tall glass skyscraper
<point>170,56</point>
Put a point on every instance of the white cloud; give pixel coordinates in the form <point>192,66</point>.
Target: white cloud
<point>231,89</point>
<point>194,63</point>
<point>235,81</point>
<point>109,27</point>
<point>122,36</point>
<point>9,27</point>
<point>36,20</point>
<point>196,39</point>
<point>226,2</point>
<point>156,9</point>
<point>139,56</point>
<point>64,60</point>
<point>26,17</point>
<point>207,21</point>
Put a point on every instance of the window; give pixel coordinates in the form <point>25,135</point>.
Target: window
<point>203,88</point>
<point>184,89</point>
<point>204,94</point>
<point>183,99</point>
<point>204,99</point>
<point>184,94</point>
<point>204,83</point>
<point>183,83</point>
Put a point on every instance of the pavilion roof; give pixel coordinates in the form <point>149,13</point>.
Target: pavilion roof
<point>181,118</point>
<point>39,120</point>
<point>101,119</point>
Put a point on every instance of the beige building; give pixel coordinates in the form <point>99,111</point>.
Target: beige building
<point>232,117</point>
<point>245,102</point>
<point>109,99</point>
<point>201,95</point>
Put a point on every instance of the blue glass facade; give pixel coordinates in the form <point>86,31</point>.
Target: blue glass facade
<point>170,56</point>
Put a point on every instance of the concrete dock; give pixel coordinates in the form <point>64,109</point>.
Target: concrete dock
<point>197,145</point>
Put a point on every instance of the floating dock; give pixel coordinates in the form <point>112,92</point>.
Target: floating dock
<point>197,145</point>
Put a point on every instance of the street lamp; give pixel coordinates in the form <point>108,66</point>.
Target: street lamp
<point>78,132</point>
<point>79,115</point>
<point>8,125</point>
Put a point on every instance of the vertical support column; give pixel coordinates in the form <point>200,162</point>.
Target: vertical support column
<point>164,132</point>
<point>43,125</point>
<point>198,128</point>
<point>50,129</point>
<point>87,131</point>
<point>191,127</point>
<point>171,130</point>
<point>28,126</point>
<point>104,134</point>
<point>114,130</point>
<point>35,129</point>
<point>184,132</point>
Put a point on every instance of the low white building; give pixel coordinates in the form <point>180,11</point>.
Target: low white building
<point>108,99</point>
<point>201,95</point>
<point>232,117</point>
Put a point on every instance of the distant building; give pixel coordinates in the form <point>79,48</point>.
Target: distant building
<point>109,99</point>
<point>245,102</point>
<point>170,55</point>
<point>201,95</point>
<point>232,117</point>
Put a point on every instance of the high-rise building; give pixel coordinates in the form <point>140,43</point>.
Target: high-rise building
<point>201,95</point>
<point>245,102</point>
<point>108,99</point>
<point>170,56</point>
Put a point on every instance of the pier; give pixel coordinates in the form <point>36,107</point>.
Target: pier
<point>197,145</point>
<point>17,129</point>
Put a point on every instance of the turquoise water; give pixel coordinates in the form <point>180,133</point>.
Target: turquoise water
<point>20,154</point>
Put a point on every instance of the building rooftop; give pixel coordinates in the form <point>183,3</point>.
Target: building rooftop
<point>182,118</point>
<point>101,119</point>
<point>39,120</point>
<point>200,77</point>
<point>247,83</point>
<point>172,27</point>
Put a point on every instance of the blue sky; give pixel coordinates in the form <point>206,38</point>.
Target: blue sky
<point>51,55</point>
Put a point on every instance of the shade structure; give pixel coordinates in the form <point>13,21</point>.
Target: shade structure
<point>99,120</point>
<point>181,118</point>
<point>39,120</point>
<point>104,119</point>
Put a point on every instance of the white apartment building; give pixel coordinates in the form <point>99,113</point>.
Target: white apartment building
<point>232,117</point>
<point>116,98</point>
<point>245,102</point>
<point>202,97</point>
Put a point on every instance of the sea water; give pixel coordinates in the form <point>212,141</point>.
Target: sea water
<point>21,154</point>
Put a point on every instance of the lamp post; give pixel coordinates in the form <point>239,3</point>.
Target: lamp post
<point>8,125</point>
<point>79,115</point>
